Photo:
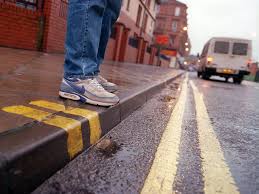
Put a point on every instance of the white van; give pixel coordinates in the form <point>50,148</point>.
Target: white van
<point>225,57</point>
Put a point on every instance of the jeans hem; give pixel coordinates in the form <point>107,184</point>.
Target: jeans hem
<point>80,76</point>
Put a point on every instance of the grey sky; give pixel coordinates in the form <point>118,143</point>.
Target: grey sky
<point>234,18</point>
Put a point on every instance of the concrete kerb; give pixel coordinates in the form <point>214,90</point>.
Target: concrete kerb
<point>133,102</point>
<point>3,175</point>
<point>42,149</point>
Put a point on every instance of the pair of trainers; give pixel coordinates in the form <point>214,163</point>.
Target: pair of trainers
<point>93,90</point>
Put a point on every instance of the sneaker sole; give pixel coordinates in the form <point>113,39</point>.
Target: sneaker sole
<point>111,91</point>
<point>77,97</point>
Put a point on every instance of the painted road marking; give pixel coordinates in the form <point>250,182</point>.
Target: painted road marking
<point>91,116</point>
<point>71,126</point>
<point>163,171</point>
<point>216,173</point>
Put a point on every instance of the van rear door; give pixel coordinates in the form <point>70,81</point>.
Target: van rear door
<point>231,54</point>
<point>240,54</point>
<point>220,53</point>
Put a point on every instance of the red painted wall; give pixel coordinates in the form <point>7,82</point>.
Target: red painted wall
<point>109,54</point>
<point>55,25</point>
<point>19,27</point>
<point>131,55</point>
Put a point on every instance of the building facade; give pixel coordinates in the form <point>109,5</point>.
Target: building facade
<point>134,33</point>
<point>41,25</point>
<point>172,22</point>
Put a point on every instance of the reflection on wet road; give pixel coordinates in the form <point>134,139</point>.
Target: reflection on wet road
<point>204,142</point>
<point>233,111</point>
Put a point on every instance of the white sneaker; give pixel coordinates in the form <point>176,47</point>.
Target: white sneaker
<point>108,86</point>
<point>88,91</point>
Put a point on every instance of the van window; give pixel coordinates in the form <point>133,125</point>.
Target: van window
<point>205,50</point>
<point>240,49</point>
<point>221,47</point>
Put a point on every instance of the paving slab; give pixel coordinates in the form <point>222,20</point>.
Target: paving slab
<point>40,132</point>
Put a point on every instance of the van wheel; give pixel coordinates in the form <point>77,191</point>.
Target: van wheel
<point>205,76</point>
<point>237,80</point>
<point>226,79</point>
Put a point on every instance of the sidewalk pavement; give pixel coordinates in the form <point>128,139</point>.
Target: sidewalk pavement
<point>39,132</point>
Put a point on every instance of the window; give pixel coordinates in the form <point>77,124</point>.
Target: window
<point>128,5</point>
<point>151,28</point>
<point>172,40</point>
<point>145,18</point>
<point>177,11</point>
<point>174,26</point>
<point>28,4</point>
<point>148,2</point>
<point>154,7</point>
<point>240,49</point>
<point>149,49</point>
<point>205,50</point>
<point>133,42</point>
<point>152,24</point>
<point>221,47</point>
<point>139,16</point>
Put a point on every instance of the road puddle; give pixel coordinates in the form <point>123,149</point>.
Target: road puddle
<point>126,154</point>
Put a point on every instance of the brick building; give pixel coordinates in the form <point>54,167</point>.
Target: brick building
<point>172,22</point>
<point>133,33</point>
<point>41,25</point>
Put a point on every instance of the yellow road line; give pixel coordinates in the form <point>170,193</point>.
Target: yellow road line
<point>71,126</point>
<point>92,116</point>
<point>163,171</point>
<point>217,175</point>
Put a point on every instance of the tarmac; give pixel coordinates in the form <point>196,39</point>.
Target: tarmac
<point>40,133</point>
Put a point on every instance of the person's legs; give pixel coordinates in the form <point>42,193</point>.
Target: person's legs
<point>84,26</point>
<point>111,15</point>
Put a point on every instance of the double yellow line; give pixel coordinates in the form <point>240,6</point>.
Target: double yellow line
<point>71,126</point>
<point>216,173</point>
<point>163,170</point>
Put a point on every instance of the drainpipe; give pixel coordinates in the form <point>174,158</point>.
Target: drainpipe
<point>40,35</point>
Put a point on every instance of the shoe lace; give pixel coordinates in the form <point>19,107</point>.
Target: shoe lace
<point>102,78</point>
<point>96,84</point>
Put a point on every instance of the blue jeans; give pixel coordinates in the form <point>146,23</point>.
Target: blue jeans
<point>89,27</point>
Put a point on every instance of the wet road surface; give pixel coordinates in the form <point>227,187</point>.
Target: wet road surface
<point>202,139</point>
